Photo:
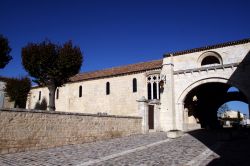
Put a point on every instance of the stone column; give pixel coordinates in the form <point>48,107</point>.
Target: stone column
<point>180,116</point>
<point>167,117</point>
<point>157,89</point>
<point>185,123</point>
<point>152,89</point>
<point>143,112</point>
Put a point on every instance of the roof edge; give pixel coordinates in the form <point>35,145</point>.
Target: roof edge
<point>220,45</point>
<point>116,67</point>
<point>116,75</point>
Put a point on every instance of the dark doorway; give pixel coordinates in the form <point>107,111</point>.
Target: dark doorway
<point>151,117</point>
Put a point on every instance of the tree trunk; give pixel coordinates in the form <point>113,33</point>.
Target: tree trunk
<point>52,90</point>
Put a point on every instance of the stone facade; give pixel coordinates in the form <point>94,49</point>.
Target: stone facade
<point>178,74</point>
<point>23,130</point>
<point>231,114</point>
<point>4,99</point>
<point>120,101</point>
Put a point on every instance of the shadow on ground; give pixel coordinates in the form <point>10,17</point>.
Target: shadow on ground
<point>234,145</point>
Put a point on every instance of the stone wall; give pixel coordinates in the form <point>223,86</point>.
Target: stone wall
<point>23,130</point>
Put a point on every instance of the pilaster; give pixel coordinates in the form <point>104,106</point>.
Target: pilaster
<point>143,112</point>
<point>167,117</point>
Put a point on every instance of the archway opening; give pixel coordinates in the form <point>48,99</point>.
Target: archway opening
<point>232,89</point>
<point>233,113</point>
<point>209,60</point>
<point>203,102</point>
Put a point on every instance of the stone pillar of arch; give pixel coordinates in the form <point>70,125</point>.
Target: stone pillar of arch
<point>167,115</point>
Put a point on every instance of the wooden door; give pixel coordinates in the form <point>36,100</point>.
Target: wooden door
<point>151,117</point>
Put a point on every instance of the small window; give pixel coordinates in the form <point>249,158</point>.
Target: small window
<point>57,94</point>
<point>80,91</point>
<point>39,98</point>
<point>210,60</point>
<point>107,88</point>
<point>134,85</point>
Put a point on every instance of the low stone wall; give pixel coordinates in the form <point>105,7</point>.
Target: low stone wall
<point>24,130</point>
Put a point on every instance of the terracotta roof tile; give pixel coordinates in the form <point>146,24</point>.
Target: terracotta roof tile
<point>237,42</point>
<point>133,68</point>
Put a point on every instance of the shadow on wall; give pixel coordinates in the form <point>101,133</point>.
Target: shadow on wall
<point>41,106</point>
<point>241,76</point>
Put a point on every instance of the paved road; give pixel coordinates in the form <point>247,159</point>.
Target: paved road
<point>197,148</point>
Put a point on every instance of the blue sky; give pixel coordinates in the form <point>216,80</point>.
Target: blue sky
<point>119,32</point>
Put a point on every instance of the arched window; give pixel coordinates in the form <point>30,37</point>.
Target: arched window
<point>39,97</point>
<point>80,91</point>
<point>134,85</point>
<point>153,84</point>
<point>210,60</point>
<point>107,88</point>
<point>57,94</point>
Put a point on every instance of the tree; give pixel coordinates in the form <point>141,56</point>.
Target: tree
<point>17,89</point>
<point>5,56</point>
<point>51,65</point>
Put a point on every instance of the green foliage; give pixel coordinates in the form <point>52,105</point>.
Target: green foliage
<point>5,56</point>
<point>17,90</point>
<point>51,64</point>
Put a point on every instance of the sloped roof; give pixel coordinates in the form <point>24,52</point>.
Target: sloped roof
<point>128,69</point>
<point>226,44</point>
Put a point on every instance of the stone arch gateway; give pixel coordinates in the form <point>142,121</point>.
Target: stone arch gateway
<point>183,75</point>
<point>202,99</point>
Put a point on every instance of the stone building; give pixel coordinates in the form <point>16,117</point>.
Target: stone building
<point>181,91</point>
<point>232,114</point>
<point>4,99</point>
